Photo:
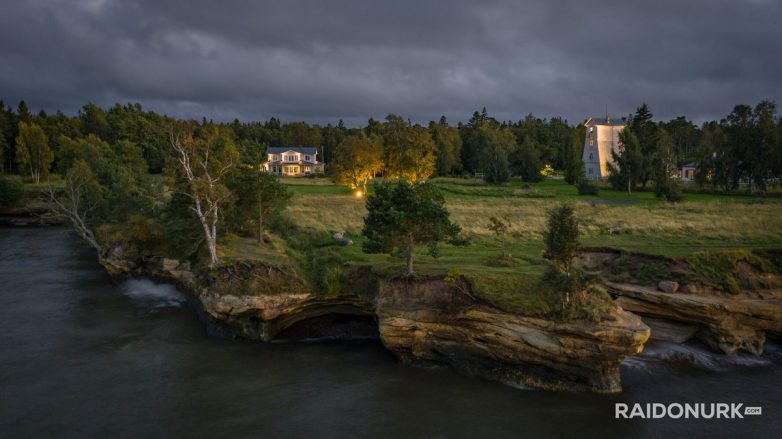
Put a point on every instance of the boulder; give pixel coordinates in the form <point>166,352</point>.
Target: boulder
<point>340,237</point>
<point>169,264</point>
<point>668,286</point>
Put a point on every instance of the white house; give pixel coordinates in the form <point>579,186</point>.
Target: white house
<point>292,161</point>
<point>602,137</point>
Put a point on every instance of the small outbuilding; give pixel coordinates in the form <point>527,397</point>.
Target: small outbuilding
<point>688,172</point>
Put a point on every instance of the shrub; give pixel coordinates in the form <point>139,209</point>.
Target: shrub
<point>561,238</point>
<point>10,192</point>
<point>324,270</point>
<point>652,272</point>
<point>585,187</point>
<point>575,296</point>
<point>669,193</point>
<point>718,270</point>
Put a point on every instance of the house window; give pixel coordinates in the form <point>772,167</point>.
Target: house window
<point>591,171</point>
<point>307,158</point>
<point>591,157</point>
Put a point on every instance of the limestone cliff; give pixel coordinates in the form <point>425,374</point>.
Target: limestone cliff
<point>427,321</point>
<point>727,323</point>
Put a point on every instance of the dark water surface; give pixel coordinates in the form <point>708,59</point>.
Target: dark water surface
<point>83,357</point>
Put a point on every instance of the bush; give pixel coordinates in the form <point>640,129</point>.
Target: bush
<point>325,268</point>
<point>651,272</point>
<point>575,296</point>
<point>585,187</point>
<point>719,269</point>
<point>10,192</point>
<point>669,193</point>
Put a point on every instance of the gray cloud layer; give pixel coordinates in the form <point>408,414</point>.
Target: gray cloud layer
<point>324,60</point>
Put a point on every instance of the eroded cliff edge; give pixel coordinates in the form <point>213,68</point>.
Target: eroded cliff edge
<point>425,321</point>
<point>727,324</point>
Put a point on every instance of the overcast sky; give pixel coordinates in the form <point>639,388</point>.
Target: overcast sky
<point>320,61</point>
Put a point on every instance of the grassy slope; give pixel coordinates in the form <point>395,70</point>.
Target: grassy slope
<point>701,222</point>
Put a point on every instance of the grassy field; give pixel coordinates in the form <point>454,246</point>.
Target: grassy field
<point>637,223</point>
<point>643,224</point>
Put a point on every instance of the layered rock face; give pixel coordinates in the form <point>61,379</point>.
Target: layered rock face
<point>427,321</point>
<point>431,322</point>
<point>727,323</point>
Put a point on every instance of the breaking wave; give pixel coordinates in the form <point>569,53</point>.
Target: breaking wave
<point>657,353</point>
<point>150,294</point>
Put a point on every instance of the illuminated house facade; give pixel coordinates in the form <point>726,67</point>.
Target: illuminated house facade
<point>292,161</point>
<point>602,137</point>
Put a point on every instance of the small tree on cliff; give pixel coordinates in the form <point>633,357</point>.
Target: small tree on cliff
<point>580,298</point>
<point>561,238</point>
<point>259,197</point>
<point>404,215</point>
<point>561,244</point>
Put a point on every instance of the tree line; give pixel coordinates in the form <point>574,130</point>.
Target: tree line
<point>744,148</point>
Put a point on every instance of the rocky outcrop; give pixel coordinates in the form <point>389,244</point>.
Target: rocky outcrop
<point>32,214</point>
<point>423,321</point>
<point>431,322</point>
<point>119,264</point>
<point>726,323</point>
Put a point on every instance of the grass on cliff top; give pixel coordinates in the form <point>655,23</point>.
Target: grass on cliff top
<point>711,223</point>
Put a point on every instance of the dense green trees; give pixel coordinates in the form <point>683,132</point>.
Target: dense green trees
<point>32,151</point>
<point>10,192</point>
<point>627,167</point>
<point>745,149</point>
<point>409,150</point>
<point>448,147</point>
<point>663,166</point>
<point>496,145</point>
<point>403,215</point>
<point>204,161</point>
<point>357,159</point>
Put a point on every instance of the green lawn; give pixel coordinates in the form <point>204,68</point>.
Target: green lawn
<point>645,225</point>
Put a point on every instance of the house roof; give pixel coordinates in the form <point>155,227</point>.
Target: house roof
<point>690,165</point>
<point>300,162</point>
<point>611,121</point>
<point>299,149</point>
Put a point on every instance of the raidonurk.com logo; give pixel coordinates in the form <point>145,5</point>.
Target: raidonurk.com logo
<point>700,410</point>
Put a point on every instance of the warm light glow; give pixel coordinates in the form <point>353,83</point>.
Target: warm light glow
<point>359,194</point>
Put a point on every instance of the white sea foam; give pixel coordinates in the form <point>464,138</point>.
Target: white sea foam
<point>693,355</point>
<point>150,294</point>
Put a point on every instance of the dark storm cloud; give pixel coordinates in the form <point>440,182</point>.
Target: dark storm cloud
<point>321,61</point>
